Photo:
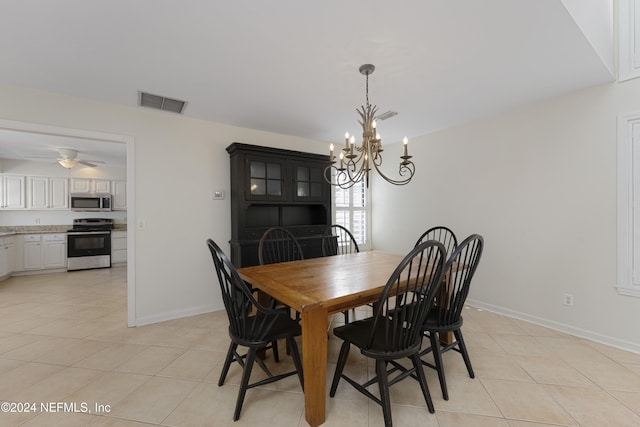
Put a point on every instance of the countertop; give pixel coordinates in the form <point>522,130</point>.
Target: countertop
<point>45,229</point>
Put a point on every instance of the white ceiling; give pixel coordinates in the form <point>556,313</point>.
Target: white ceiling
<point>43,147</point>
<point>291,67</point>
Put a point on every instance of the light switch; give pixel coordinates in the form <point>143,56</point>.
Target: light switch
<point>217,195</point>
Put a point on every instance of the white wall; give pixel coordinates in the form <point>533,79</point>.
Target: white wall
<point>539,184</point>
<point>178,162</point>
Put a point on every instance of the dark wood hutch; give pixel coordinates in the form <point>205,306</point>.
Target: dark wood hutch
<point>275,187</point>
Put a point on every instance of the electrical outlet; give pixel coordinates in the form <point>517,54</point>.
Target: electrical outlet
<point>142,224</point>
<point>568,299</point>
<point>217,195</point>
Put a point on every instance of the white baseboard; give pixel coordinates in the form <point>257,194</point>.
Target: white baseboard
<point>179,314</point>
<point>34,272</point>
<point>560,327</point>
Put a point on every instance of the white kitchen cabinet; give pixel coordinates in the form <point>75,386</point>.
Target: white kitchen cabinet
<point>118,247</point>
<point>89,185</point>
<point>4,262</point>
<point>44,251</point>
<point>54,250</point>
<point>119,195</point>
<point>6,256</point>
<point>80,185</point>
<point>12,192</point>
<point>32,252</point>
<point>101,186</point>
<point>48,193</point>
<point>38,193</point>
<point>58,193</point>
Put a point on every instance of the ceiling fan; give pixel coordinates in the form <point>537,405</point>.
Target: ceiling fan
<point>69,158</point>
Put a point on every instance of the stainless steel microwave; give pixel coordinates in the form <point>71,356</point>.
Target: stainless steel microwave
<point>90,202</point>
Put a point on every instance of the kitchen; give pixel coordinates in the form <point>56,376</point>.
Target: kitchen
<point>44,183</point>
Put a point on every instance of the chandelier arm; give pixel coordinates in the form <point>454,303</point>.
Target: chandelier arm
<point>376,158</point>
<point>355,170</point>
<point>356,157</point>
<point>405,166</point>
<point>352,170</point>
<point>340,177</point>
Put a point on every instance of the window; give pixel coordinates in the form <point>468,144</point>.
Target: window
<point>351,210</point>
<point>629,205</point>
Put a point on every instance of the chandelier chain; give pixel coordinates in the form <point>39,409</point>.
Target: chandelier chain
<point>367,89</point>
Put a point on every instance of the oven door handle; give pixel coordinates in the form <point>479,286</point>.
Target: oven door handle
<point>84,233</point>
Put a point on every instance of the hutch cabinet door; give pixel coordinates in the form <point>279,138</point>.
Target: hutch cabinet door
<point>265,179</point>
<point>308,181</point>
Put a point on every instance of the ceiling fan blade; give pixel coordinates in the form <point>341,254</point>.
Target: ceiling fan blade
<point>86,163</point>
<point>39,157</point>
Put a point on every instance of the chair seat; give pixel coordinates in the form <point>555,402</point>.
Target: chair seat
<point>433,322</point>
<point>280,327</point>
<point>358,332</point>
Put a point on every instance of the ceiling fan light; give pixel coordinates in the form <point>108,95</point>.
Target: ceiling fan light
<point>68,153</point>
<point>66,163</point>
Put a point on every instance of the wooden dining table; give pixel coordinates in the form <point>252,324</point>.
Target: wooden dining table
<point>318,288</point>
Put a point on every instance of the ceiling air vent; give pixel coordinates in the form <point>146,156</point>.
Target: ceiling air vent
<point>160,102</point>
<point>387,115</point>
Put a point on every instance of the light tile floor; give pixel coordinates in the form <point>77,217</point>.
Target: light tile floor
<point>64,341</point>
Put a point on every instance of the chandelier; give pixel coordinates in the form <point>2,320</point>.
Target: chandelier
<point>355,162</point>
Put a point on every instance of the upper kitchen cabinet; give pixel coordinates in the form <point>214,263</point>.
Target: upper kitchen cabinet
<point>88,185</point>
<point>12,192</point>
<point>48,192</point>
<point>119,195</point>
<point>272,187</point>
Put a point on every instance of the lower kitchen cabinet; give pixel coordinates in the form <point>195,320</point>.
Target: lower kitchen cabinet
<point>118,247</point>
<point>6,256</point>
<point>54,250</point>
<point>44,251</point>
<point>32,252</point>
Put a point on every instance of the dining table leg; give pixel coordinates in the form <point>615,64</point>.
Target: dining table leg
<point>315,321</point>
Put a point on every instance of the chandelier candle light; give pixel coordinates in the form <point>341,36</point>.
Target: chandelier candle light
<point>356,162</point>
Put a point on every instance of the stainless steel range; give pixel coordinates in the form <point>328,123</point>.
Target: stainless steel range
<point>89,244</point>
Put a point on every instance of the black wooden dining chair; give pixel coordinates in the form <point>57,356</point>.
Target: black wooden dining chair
<point>337,240</point>
<point>251,325</point>
<point>446,315</point>
<point>440,234</point>
<point>395,330</point>
<point>277,244</point>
